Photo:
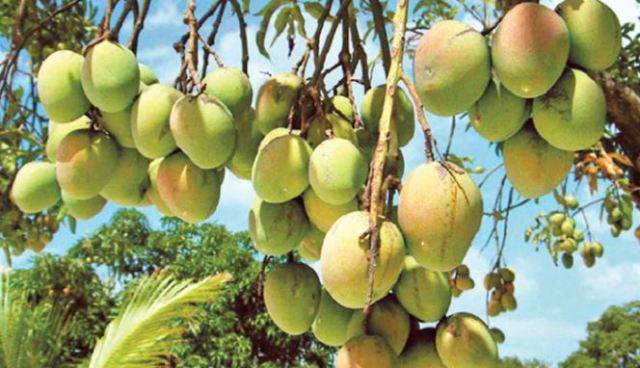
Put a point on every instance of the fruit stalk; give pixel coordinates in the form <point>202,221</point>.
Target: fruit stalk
<point>377,191</point>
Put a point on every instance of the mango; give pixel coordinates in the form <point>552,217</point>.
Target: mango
<point>85,161</point>
<point>150,115</point>
<point>530,49</point>
<point>281,169</point>
<point>277,228</point>
<point>247,143</point>
<point>83,209</point>
<point>572,115</point>
<point>231,86</point>
<point>129,180</point>
<point>387,319</point>
<point>152,194</point>
<point>420,351</point>
<point>330,325</point>
<point>368,351</point>
<point>499,114</point>
<point>275,99</point>
<point>463,340</point>
<point>292,297</point>
<point>344,260</point>
<point>204,130</point>
<point>147,76</point>
<point>402,117</point>
<point>57,131</point>
<point>425,294</point>
<point>594,33</point>
<point>322,214</point>
<point>190,192</point>
<point>35,188</point>
<point>452,67</point>
<point>110,76</point>
<point>337,171</point>
<point>533,166</point>
<point>439,212</point>
<point>311,245</point>
<point>59,86</point>
<point>340,117</point>
<point>118,124</point>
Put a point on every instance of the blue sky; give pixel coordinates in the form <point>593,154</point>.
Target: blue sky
<point>554,304</point>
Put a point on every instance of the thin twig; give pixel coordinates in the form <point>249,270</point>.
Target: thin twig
<point>422,118</point>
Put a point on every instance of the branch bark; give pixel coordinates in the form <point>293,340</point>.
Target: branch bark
<point>378,193</point>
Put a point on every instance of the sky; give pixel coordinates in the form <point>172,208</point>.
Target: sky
<point>555,304</point>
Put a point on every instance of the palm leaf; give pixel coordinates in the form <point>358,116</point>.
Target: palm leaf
<point>29,334</point>
<point>143,333</point>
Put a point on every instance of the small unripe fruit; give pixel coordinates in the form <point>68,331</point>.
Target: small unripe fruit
<point>507,275</point>
<point>147,76</point>
<point>497,335</point>
<point>508,302</point>
<point>567,260</point>
<point>465,283</point>
<point>491,280</point>
<point>494,308</point>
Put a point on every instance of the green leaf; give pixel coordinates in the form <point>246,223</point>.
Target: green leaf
<point>314,9</point>
<point>266,13</point>
<point>281,22</point>
<point>144,331</point>
<point>297,15</point>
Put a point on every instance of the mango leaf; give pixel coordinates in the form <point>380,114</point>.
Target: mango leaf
<point>296,14</point>
<point>266,12</point>
<point>314,9</point>
<point>281,22</point>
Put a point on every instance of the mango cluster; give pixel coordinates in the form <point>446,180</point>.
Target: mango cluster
<point>528,86</point>
<point>117,134</point>
<point>500,284</point>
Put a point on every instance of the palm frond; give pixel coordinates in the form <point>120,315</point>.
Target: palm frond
<point>29,334</point>
<point>142,334</point>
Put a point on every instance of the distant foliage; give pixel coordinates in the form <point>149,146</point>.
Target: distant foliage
<point>613,341</point>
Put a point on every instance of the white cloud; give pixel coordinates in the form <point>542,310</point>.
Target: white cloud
<point>166,14</point>
<point>614,283</point>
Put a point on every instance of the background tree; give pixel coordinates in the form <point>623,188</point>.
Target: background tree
<point>512,362</point>
<point>613,341</point>
<point>235,331</point>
